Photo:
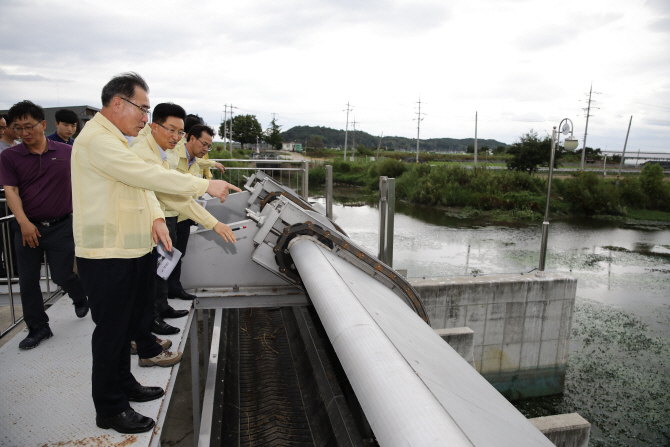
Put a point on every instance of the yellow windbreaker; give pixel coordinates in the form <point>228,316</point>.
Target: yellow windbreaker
<point>145,147</point>
<point>178,160</point>
<point>113,202</point>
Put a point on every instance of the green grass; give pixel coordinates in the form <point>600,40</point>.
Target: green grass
<point>639,214</point>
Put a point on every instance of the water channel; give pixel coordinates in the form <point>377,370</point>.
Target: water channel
<point>619,364</point>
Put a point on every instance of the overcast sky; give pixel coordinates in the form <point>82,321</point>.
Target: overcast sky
<point>519,64</point>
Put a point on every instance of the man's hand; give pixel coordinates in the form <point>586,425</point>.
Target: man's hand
<point>220,167</point>
<point>220,189</point>
<point>30,234</point>
<point>160,231</point>
<point>225,232</point>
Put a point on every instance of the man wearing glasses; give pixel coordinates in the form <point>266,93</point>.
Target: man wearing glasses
<point>36,177</point>
<point>186,158</point>
<point>151,145</point>
<point>117,220</point>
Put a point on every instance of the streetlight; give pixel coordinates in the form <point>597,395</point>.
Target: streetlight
<point>570,144</point>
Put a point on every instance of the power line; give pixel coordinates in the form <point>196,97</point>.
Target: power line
<point>346,130</point>
<point>588,114</point>
<point>418,128</point>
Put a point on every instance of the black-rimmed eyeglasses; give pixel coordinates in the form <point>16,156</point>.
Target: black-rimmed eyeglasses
<point>181,133</point>
<point>142,109</point>
<point>207,145</point>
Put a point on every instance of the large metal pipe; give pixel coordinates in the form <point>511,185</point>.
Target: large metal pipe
<point>374,367</point>
<point>414,388</point>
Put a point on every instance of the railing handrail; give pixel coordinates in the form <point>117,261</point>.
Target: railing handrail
<point>7,246</point>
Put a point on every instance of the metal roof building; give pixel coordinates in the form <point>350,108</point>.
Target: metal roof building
<point>84,113</point>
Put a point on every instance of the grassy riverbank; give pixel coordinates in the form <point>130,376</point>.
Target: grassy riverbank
<point>512,195</point>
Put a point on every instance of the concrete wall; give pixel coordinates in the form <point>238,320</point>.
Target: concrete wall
<point>521,326</point>
<point>564,430</point>
<point>462,340</point>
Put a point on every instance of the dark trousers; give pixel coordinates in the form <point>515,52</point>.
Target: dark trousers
<point>119,293</point>
<point>58,243</point>
<point>183,232</point>
<point>161,298</point>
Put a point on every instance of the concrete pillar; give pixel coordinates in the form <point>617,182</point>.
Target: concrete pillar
<point>564,430</point>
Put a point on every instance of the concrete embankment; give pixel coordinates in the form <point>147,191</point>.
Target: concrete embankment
<point>521,326</point>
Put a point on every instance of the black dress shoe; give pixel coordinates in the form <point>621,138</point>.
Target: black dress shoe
<point>183,295</point>
<point>35,336</point>
<point>160,327</point>
<point>172,313</point>
<point>128,422</point>
<point>81,308</point>
<point>144,393</point>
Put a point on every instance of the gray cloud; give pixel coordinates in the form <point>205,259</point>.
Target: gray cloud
<point>4,76</point>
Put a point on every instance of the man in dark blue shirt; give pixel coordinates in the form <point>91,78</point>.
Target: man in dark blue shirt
<point>66,126</point>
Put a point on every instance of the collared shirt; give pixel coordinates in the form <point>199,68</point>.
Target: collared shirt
<point>190,159</point>
<point>163,154</point>
<point>55,137</point>
<point>43,180</point>
<point>4,145</point>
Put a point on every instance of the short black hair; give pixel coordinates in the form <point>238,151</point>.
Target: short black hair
<point>123,85</point>
<point>165,110</point>
<point>192,120</point>
<point>67,116</point>
<point>6,117</point>
<point>25,108</point>
<point>198,129</point>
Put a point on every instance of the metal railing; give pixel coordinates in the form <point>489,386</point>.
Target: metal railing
<point>7,297</point>
<point>301,177</point>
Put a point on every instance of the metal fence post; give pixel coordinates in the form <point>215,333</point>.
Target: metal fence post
<point>383,213</point>
<point>305,180</point>
<point>329,191</point>
<point>390,224</point>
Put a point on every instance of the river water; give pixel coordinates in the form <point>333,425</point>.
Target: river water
<point>619,364</point>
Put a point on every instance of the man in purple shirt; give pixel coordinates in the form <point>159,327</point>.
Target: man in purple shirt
<point>66,126</point>
<point>36,177</point>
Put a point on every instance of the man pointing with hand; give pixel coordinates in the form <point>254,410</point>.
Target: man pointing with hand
<point>116,222</point>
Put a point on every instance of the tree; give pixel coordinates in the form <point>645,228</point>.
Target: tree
<point>246,129</point>
<point>595,154</point>
<point>499,150</point>
<point>272,135</point>
<point>315,142</point>
<point>530,152</point>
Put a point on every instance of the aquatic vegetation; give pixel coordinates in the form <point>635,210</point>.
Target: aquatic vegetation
<point>617,379</point>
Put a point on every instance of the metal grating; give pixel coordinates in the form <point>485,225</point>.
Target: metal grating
<point>271,407</point>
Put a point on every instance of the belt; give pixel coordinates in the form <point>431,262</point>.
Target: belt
<point>49,222</point>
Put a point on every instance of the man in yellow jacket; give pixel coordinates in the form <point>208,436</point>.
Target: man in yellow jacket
<point>151,145</point>
<point>116,222</point>
<point>205,164</point>
<point>185,158</point>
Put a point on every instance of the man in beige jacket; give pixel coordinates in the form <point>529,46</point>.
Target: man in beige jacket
<point>116,222</point>
<point>151,145</point>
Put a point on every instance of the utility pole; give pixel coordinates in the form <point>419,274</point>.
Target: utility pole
<point>588,114</point>
<point>624,150</point>
<point>353,145</point>
<point>418,129</point>
<point>225,123</point>
<point>476,139</point>
<point>346,131</point>
<point>379,145</point>
<point>231,130</point>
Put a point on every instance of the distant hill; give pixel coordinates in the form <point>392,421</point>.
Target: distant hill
<point>335,138</point>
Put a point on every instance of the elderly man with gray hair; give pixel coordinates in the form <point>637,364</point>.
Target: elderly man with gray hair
<point>117,220</point>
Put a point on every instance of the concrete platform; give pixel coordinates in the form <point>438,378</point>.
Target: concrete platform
<point>46,392</point>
